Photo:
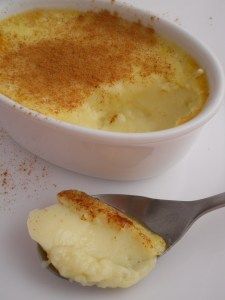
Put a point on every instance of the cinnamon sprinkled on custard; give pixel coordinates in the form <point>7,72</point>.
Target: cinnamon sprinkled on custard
<point>67,67</point>
<point>90,208</point>
<point>87,67</point>
<point>81,201</point>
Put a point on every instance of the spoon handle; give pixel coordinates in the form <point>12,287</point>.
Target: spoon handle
<point>209,204</point>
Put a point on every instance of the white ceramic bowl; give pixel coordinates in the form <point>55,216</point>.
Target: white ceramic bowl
<point>110,155</point>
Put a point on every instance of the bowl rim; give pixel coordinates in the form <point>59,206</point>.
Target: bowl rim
<point>214,101</point>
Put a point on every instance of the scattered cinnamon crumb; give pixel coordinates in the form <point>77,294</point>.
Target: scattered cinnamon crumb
<point>154,18</point>
<point>20,173</point>
<point>44,171</point>
<point>27,166</point>
<point>113,118</point>
<point>4,176</point>
<point>6,181</point>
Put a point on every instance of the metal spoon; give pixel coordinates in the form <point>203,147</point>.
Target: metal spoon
<point>169,219</point>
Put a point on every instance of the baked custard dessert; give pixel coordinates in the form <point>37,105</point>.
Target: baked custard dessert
<point>98,70</point>
<point>92,243</point>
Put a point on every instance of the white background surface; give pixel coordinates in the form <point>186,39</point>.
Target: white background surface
<point>195,268</point>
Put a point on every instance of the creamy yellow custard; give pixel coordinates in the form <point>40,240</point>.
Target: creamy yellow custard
<point>99,71</point>
<point>94,244</point>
